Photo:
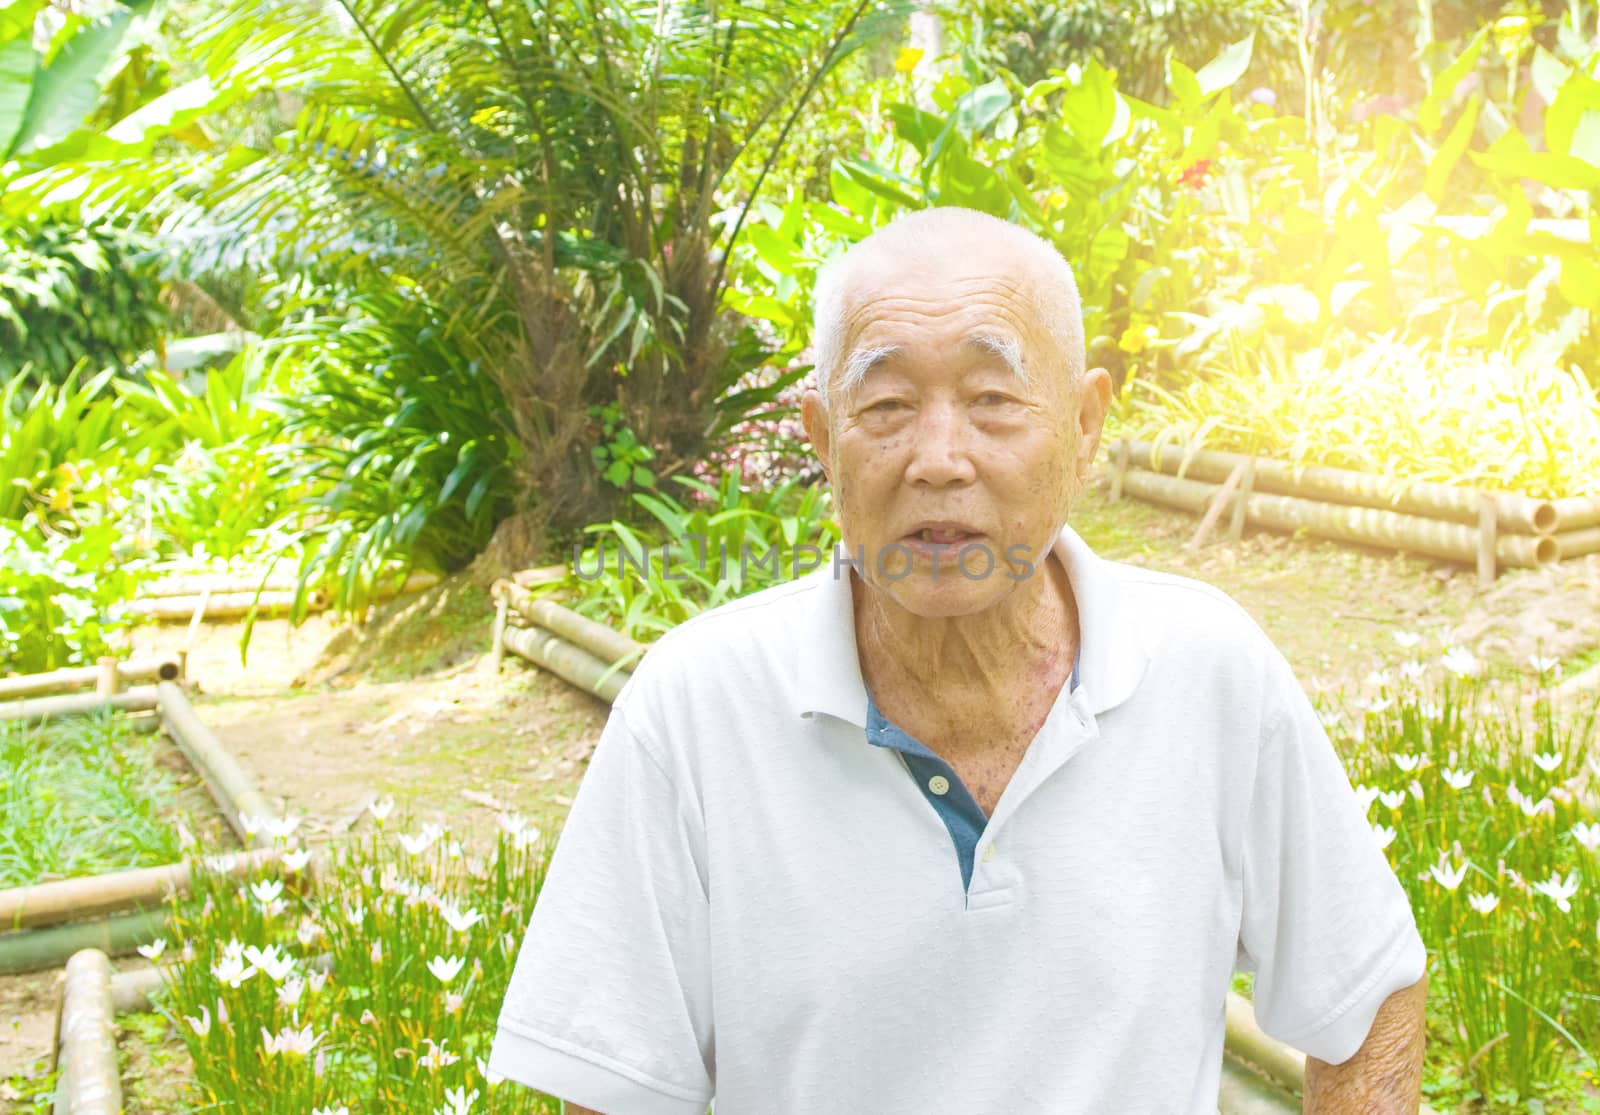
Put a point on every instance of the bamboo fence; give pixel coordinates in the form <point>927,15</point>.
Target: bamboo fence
<point>1492,530</point>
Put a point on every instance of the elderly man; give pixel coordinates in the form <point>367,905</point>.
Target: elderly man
<point>969,819</point>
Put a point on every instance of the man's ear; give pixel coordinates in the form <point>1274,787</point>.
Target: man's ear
<point>1094,403</point>
<point>815,421</point>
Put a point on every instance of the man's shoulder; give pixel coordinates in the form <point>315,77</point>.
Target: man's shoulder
<point>1177,598</point>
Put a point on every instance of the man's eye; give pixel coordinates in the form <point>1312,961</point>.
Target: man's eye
<point>884,405</point>
<point>992,398</point>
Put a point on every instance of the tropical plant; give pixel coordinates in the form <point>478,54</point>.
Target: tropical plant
<point>70,294</point>
<point>550,178</point>
<point>61,597</point>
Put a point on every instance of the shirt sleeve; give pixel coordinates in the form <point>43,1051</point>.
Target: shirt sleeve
<point>1325,925</point>
<point>609,1004</point>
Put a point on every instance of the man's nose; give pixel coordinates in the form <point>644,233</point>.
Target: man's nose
<point>940,448</point>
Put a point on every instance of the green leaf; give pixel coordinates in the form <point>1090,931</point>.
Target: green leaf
<point>1183,85</point>
<point>1580,281</point>
<point>1089,108</point>
<point>1449,154</point>
<point>979,108</point>
<point>69,88</point>
<point>18,64</point>
<point>1569,121</point>
<point>1430,114</point>
<point>1227,67</point>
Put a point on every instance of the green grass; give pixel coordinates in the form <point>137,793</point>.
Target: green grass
<point>81,797</point>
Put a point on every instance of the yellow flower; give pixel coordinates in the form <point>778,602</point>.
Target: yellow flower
<point>907,59</point>
<point>1136,338</point>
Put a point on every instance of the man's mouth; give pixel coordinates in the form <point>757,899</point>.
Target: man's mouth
<point>943,535</point>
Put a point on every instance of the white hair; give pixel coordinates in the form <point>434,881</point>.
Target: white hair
<point>1052,288</point>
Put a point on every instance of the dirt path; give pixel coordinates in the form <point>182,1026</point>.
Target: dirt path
<point>325,716</point>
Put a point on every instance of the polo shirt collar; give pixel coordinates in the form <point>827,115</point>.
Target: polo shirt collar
<point>1111,658</point>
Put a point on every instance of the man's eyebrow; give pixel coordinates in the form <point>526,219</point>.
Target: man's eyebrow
<point>860,362</point>
<point>1008,349</point>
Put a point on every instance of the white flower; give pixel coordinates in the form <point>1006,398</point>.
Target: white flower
<point>266,890</point>
<point>270,961</point>
<point>186,838</point>
<point>445,970</point>
<point>1457,779</point>
<point>1559,891</point>
<point>458,919</point>
<point>1542,664</point>
<point>307,932</point>
<point>452,1002</point>
<point>458,1101</point>
<point>1378,679</point>
<point>513,823</point>
<point>281,828</point>
<point>380,810</point>
<point>290,1042</point>
<point>491,1078</point>
<point>1446,876</point>
<point>232,971</point>
<point>1407,763</point>
<point>438,1057</point>
<point>1366,795</point>
<point>331,1110</point>
<point>251,824</point>
<point>154,949</point>
<point>375,953</point>
<point>1483,903</point>
<point>295,860</point>
<point>317,980</point>
<point>1547,761</point>
<point>221,865</point>
<point>289,993</point>
<point>1383,834</point>
<point>422,841</point>
<point>1407,639</point>
<point>356,914</point>
<point>1394,799</point>
<point>1381,705</point>
<point>1416,789</point>
<point>1430,710</point>
<point>1412,670</point>
<point>1531,808</point>
<point>201,1025</point>
<point>1460,662</point>
<point>1587,834</point>
<point>1329,717</point>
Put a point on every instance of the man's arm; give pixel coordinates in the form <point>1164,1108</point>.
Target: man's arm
<point>1384,1076</point>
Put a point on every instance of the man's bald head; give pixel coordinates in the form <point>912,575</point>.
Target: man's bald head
<point>931,242</point>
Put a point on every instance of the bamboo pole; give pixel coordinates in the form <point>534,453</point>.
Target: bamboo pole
<point>86,1044</point>
<point>231,605</point>
<point>1515,513</point>
<point>1577,512</point>
<point>596,638</point>
<point>29,950</point>
<point>540,576</point>
<point>48,708</point>
<point>1576,543</point>
<point>230,787</point>
<point>1362,525</point>
<point>68,899</point>
<point>81,677</point>
<point>106,681</point>
<point>566,661</point>
<point>132,991</point>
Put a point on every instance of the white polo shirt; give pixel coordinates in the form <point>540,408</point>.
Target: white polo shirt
<point>751,901</point>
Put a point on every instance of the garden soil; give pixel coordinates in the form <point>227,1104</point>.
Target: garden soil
<point>327,716</point>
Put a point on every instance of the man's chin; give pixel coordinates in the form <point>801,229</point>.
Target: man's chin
<point>945,597</point>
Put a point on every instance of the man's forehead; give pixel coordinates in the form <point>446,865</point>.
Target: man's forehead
<point>903,302</point>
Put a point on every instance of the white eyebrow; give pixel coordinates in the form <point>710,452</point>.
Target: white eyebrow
<point>860,362</point>
<point>1008,349</point>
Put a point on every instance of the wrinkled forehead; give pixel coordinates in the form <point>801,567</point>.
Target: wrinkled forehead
<point>900,301</point>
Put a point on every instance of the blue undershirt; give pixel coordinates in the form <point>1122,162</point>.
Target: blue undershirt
<point>956,806</point>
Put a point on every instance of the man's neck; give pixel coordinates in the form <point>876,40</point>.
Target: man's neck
<point>1027,639</point>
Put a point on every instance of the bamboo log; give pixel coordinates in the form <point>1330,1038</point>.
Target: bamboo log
<point>1247,1041</point>
<point>79,704</point>
<point>1242,1091</point>
<point>86,1044</point>
<point>132,991</point>
<point>29,950</point>
<point>90,896</point>
<point>1576,543</point>
<point>81,677</point>
<point>416,582</point>
<point>1362,525</point>
<point>1577,512</point>
<point>540,576</point>
<point>230,605</point>
<point>194,584</point>
<point>596,638</point>
<point>230,787</point>
<point>1515,513</point>
<point>566,661</point>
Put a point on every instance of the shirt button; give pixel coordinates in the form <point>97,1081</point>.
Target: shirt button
<point>939,784</point>
<point>988,853</point>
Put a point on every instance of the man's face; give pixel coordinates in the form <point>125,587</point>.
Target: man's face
<point>944,457</point>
